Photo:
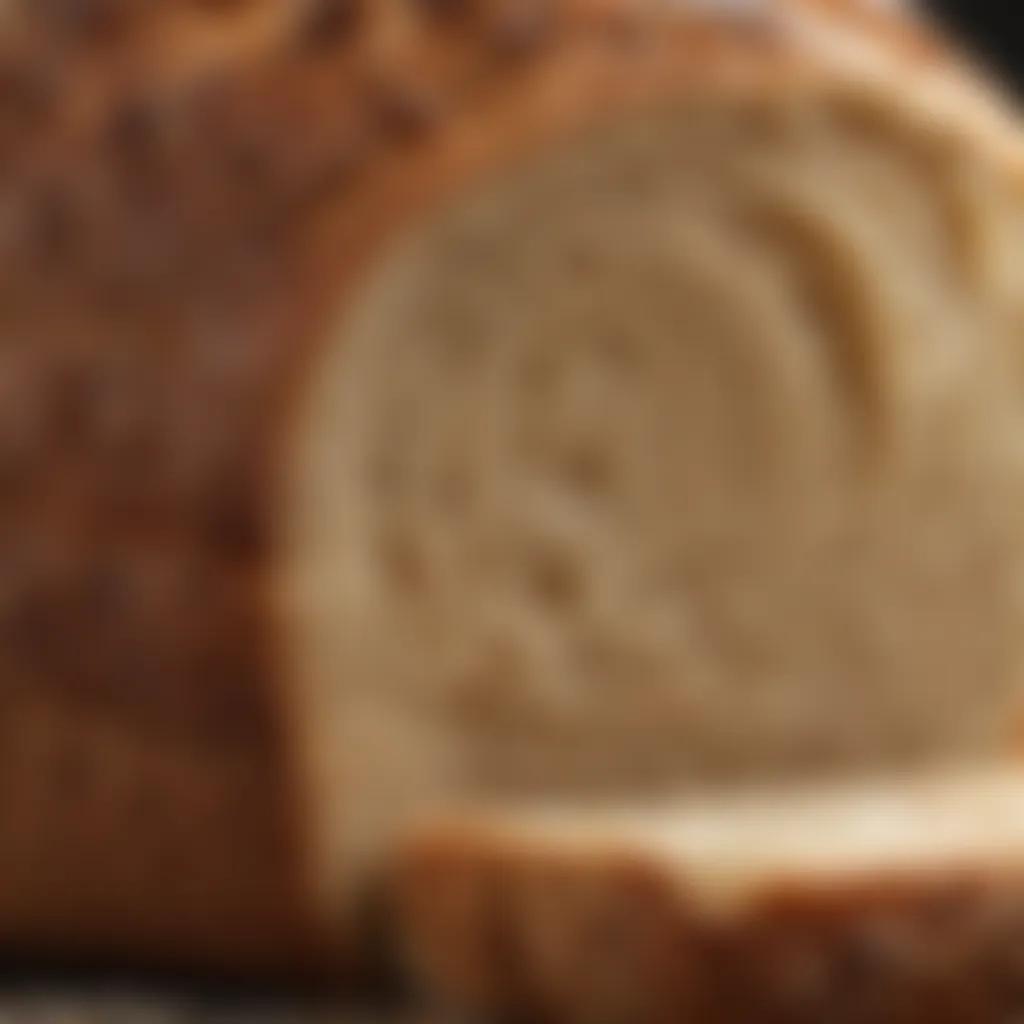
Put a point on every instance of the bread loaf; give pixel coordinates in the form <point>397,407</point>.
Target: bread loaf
<point>898,901</point>
<point>409,400</point>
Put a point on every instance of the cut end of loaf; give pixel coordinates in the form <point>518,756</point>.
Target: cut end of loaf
<point>685,452</point>
<point>901,901</point>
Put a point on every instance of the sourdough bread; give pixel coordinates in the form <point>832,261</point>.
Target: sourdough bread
<point>409,401</point>
<point>896,901</point>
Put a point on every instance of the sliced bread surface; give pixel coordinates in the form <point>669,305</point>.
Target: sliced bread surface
<point>895,901</point>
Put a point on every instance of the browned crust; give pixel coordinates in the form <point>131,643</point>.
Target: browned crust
<point>634,943</point>
<point>186,191</point>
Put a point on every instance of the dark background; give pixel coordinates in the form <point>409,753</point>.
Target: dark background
<point>994,29</point>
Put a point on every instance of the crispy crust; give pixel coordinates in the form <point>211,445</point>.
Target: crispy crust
<point>186,192</point>
<point>517,930</point>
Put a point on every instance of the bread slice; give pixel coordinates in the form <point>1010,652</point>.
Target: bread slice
<point>893,901</point>
<point>406,401</point>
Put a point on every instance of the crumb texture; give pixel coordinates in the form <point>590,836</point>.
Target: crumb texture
<point>689,452</point>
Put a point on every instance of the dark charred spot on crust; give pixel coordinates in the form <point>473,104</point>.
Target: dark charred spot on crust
<point>134,135</point>
<point>406,110</point>
<point>324,24</point>
<point>133,123</point>
<point>237,526</point>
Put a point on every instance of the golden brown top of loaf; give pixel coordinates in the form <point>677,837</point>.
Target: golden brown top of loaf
<point>221,118</point>
<point>253,110</point>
